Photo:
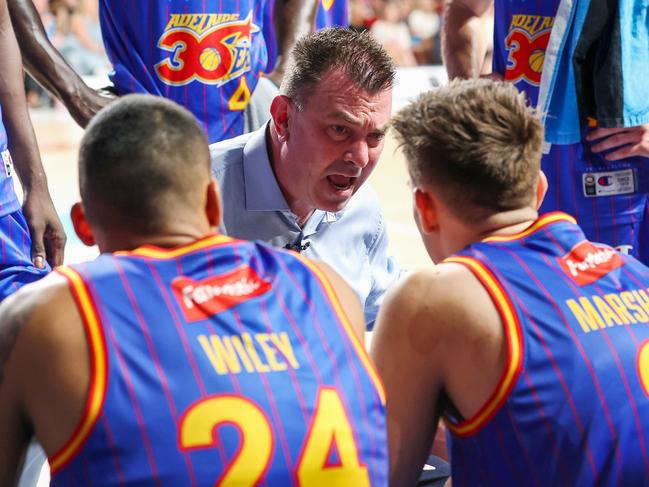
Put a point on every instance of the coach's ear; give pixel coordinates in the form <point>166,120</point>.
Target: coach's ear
<point>279,112</point>
<point>541,189</point>
<point>81,225</point>
<point>426,210</point>
<point>213,204</point>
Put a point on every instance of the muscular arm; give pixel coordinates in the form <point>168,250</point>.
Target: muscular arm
<point>466,36</point>
<point>44,225</point>
<point>14,430</point>
<point>293,18</point>
<point>46,65</point>
<point>438,333</point>
<point>44,370</point>
<point>406,361</point>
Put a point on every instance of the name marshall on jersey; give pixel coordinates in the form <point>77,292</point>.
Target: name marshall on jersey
<point>210,48</point>
<point>598,312</point>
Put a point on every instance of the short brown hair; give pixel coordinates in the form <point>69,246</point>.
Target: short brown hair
<point>358,55</point>
<point>477,141</point>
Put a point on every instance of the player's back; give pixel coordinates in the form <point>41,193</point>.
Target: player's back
<point>222,361</point>
<point>572,405</point>
<point>206,56</point>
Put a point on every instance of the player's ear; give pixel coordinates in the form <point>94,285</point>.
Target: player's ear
<point>213,204</point>
<point>426,210</point>
<point>279,112</point>
<point>541,189</point>
<point>81,225</point>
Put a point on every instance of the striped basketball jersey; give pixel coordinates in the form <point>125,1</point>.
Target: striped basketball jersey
<point>221,363</point>
<point>608,198</point>
<point>330,13</point>
<point>8,200</point>
<point>572,404</point>
<point>204,55</point>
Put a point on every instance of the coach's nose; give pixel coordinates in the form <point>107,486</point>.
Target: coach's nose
<point>358,154</point>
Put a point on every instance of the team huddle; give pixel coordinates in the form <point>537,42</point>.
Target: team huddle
<point>219,338</point>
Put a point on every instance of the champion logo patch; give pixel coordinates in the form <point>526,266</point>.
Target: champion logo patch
<point>609,183</point>
<point>587,262</point>
<point>201,299</point>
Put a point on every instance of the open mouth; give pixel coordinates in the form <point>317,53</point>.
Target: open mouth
<point>340,182</point>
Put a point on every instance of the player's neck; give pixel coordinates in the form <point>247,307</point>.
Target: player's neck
<point>507,223</point>
<point>173,237</point>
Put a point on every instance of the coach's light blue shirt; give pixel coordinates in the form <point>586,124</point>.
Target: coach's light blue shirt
<point>353,241</point>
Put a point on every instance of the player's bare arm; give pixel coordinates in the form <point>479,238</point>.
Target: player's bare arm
<point>46,231</point>
<point>429,347</point>
<point>293,18</point>
<point>44,370</point>
<point>46,65</point>
<point>466,37</point>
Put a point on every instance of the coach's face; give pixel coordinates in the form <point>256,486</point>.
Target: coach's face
<point>333,144</point>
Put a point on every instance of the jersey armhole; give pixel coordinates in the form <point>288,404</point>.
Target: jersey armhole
<point>358,346</point>
<point>98,371</point>
<point>514,337</point>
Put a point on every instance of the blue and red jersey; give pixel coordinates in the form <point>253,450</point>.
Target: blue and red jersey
<point>330,13</point>
<point>8,200</point>
<point>609,199</point>
<point>572,404</point>
<point>220,362</point>
<point>206,56</point>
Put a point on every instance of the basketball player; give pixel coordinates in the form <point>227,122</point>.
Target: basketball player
<point>206,56</point>
<point>30,236</point>
<point>321,14</point>
<point>181,356</point>
<point>603,181</point>
<point>531,341</point>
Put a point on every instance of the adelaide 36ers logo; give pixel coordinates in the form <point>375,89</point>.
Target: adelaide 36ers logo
<point>526,43</point>
<point>210,48</point>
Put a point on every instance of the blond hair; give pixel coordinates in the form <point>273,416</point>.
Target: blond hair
<point>478,142</point>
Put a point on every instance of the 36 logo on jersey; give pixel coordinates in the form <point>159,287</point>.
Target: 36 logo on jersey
<point>202,299</point>
<point>526,43</point>
<point>209,48</point>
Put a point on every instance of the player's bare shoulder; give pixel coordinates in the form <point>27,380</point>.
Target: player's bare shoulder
<point>30,312</point>
<point>443,310</point>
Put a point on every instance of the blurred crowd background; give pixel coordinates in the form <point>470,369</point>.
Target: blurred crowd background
<point>408,29</point>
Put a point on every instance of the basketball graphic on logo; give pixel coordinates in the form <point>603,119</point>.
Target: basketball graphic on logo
<point>210,59</point>
<point>536,60</point>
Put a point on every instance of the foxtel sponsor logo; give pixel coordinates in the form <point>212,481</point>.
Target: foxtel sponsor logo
<point>202,299</point>
<point>587,262</point>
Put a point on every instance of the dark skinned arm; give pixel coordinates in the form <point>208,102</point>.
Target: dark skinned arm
<point>46,65</point>
<point>293,19</point>
<point>45,228</point>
